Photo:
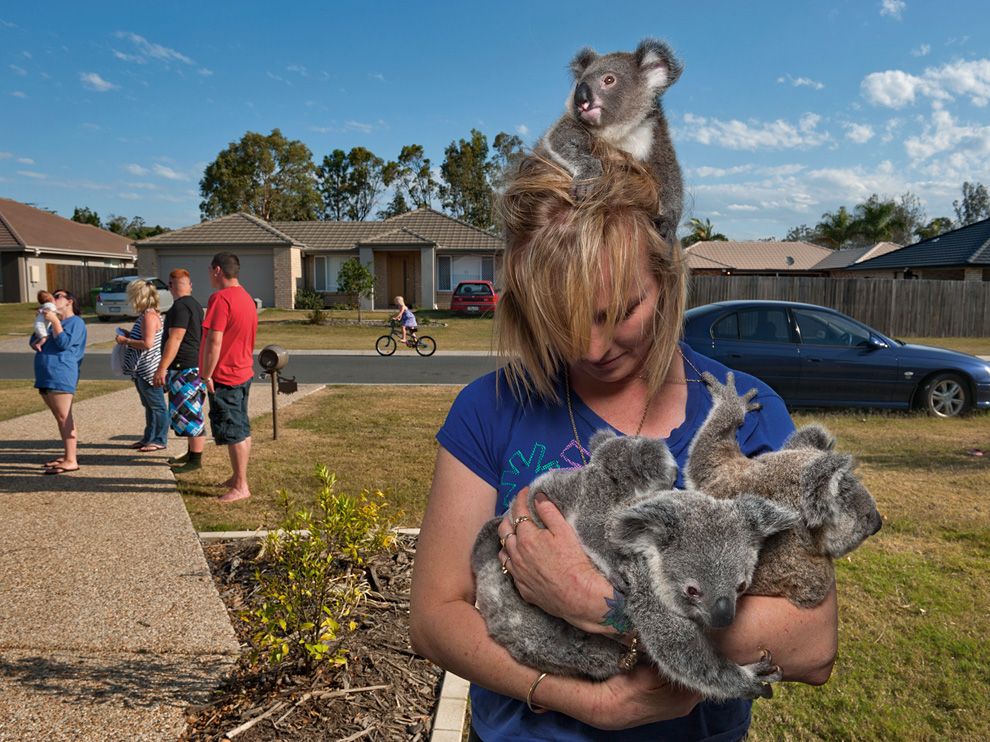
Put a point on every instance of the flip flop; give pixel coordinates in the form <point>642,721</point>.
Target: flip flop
<point>53,462</point>
<point>148,447</point>
<point>59,470</point>
<point>138,444</point>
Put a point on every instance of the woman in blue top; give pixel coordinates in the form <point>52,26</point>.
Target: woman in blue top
<point>56,373</point>
<point>587,327</point>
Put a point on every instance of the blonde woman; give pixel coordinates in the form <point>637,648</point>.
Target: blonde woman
<point>145,343</point>
<point>588,328</point>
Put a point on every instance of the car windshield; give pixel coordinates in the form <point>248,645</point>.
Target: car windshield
<point>473,289</point>
<point>117,286</point>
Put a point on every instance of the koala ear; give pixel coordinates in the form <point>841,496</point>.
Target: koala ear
<point>820,482</point>
<point>658,62</point>
<point>764,516</point>
<point>581,61</point>
<point>811,436</point>
<point>600,437</point>
<point>653,521</point>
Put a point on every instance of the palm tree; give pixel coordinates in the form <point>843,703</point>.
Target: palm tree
<point>878,221</point>
<point>836,228</point>
<point>702,231</point>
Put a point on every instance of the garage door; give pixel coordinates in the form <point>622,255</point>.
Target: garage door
<point>257,274</point>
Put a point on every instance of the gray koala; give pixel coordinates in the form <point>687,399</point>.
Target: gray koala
<point>837,511</point>
<point>681,558</point>
<point>616,99</point>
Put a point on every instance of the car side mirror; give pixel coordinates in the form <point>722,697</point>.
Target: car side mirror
<point>875,343</point>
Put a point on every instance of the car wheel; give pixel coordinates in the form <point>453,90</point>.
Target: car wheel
<point>946,395</point>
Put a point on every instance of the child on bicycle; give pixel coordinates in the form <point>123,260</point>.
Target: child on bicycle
<point>407,318</point>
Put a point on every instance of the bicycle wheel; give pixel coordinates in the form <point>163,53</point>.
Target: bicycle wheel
<point>385,345</point>
<point>426,346</point>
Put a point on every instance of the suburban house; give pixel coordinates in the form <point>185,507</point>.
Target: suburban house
<point>40,250</point>
<point>960,255</point>
<point>755,258</point>
<point>835,265</point>
<point>420,255</point>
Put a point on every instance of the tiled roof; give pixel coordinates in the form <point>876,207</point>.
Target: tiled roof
<point>233,229</point>
<point>760,256</point>
<point>25,226</point>
<point>331,235</point>
<point>699,262</point>
<point>397,237</point>
<point>969,245</point>
<point>851,255</point>
<point>446,231</point>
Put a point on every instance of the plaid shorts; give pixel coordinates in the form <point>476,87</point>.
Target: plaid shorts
<point>186,394</point>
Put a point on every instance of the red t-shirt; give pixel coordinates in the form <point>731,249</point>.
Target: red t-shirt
<point>232,311</point>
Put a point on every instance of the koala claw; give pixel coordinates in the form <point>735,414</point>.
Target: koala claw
<point>764,673</point>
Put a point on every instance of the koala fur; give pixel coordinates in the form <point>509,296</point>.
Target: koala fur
<point>681,558</point>
<point>837,511</point>
<point>615,99</point>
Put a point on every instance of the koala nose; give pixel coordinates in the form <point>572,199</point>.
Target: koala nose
<point>877,522</point>
<point>723,612</point>
<point>582,95</point>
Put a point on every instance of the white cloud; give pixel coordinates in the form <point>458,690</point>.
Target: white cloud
<point>129,196</point>
<point>32,174</point>
<point>893,8</point>
<point>522,130</point>
<point>921,51</point>
<point>93,81</point>
<point>25,160</point>
<point>6,155</point>
<point>205,71</point>
<point>718,172</point>
<point>896,88</point>
<point>18,70</point>
<point>297,68</point>
<point>135,169</point>
<point>359,126</point>
<point>801,82</point>
<point>859,133</point>
<point>19,94</point>
<point>167,172</point>
<point>945,135</point>
<point>148,50</point>
<point>742,207</point>
<point>377,76</point>
<point>752,134</point>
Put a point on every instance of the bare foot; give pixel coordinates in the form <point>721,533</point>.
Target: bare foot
<point>234,495</point>
<point>54,462</point>
<point>227,483</point>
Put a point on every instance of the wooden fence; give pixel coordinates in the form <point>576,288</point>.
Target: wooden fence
<point>901,308</point>
<point>81,279</point>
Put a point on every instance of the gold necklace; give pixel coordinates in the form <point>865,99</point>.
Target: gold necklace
<point>642,419</point>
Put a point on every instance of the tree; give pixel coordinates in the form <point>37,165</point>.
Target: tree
<point>702,231</point>
<point>395,207</point>
<point>508,151</point>
<point>415,176</point>
<point>911,215</point>
<point>836,228</point>
<point>975,204</point>
<point>804,233</point>
<point>356,281</point>
<point>117,224</point>
<point>85,215</point>
<point>270,177</point>
<point>134,228</point>
<point>352,183</point>
<point>879,220</point>
<point>938,225</point>
<point>466,191</point>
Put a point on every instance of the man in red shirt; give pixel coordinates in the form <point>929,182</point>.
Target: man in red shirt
<point>227,366</point>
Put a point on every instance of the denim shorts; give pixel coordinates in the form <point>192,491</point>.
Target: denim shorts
<point>229,413</point>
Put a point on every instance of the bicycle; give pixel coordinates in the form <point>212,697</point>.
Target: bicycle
<point>386,344</point>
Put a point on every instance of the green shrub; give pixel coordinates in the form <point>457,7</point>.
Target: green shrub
<point>311,578</point>
<point>309,299</point>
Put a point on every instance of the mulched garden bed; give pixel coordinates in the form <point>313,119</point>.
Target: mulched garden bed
<point>384,692</point>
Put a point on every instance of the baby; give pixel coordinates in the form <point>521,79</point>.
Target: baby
<point>46,303</point>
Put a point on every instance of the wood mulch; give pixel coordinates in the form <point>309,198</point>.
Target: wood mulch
<point>385,691</point>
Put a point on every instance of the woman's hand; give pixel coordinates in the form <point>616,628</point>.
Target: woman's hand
<point>50,316</point>
<point>550,567</point>
<point>120,339</point>
<point>641,696</point>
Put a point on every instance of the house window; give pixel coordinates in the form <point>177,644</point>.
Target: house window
<point>443,273</point>
<point>325,270</point>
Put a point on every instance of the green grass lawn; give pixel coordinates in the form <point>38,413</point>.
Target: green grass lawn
<point>21,398</point>
<point>18,319</point>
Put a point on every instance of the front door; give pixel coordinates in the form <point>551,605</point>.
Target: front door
<point>403,277</point>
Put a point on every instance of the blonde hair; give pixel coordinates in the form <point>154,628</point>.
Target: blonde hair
<point>562,253</point>
<point>143,295</point>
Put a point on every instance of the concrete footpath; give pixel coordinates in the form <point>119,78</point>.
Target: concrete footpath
<point>110,624</point>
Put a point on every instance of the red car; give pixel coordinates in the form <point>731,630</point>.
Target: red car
<point>474,297</point>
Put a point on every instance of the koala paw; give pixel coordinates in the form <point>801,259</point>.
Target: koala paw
<point>730,404</point>
<point>764,672</point>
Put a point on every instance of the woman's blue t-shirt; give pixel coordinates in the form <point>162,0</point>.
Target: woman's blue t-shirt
<point>508,444</point>
<point>57,366</point>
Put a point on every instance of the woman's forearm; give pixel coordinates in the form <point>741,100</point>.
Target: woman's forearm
<point>803,641</point>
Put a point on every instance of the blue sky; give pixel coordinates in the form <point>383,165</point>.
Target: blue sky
<point>785,110</point>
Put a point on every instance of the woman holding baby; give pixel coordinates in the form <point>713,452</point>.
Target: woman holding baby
<point>57,361</point>
<point>588,332</point>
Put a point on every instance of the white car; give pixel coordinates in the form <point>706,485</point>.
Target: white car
<point>112,303</point>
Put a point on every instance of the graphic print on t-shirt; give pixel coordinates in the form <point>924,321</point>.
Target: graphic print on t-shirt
<point>522,469</point>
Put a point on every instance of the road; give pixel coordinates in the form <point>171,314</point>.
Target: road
<point>313,369</point>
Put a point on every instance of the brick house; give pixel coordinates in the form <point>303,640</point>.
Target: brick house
<point>420,255</point>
